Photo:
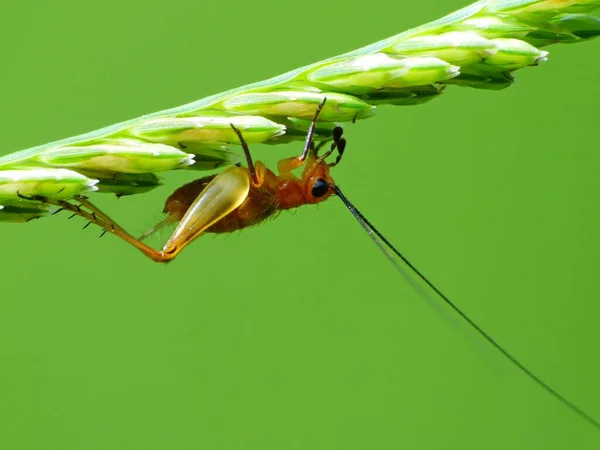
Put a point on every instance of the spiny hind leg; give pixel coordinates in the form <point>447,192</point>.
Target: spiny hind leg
<point>226,192</point>
<point>109,225</point>
<point>96,212</point>
<point>99,218</point>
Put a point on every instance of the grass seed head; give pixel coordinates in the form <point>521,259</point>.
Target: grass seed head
<point>479,46</point>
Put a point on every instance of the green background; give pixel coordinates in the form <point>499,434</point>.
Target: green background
<point>298,334</point>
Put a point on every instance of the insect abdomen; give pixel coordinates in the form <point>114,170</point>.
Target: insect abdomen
<point>260,204</point>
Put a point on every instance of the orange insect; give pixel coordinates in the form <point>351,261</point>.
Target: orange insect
<point>240,197</point>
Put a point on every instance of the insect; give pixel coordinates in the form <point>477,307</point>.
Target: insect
<point>240,197</point>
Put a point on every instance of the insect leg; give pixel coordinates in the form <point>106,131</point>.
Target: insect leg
<point>222,195</point>
<point>225,193</point>
<point>97,217</point>
<point>339,143</point>
<point>287,165</point>
<point>83,201</point>
<point>244,145</point>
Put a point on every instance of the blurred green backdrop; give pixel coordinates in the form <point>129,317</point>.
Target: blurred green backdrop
<point>298,334</point>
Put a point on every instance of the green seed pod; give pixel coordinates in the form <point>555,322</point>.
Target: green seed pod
<point>548,36</point>
<point>45,182</point>
<point>211,156</point>
<point>541,9</point>
<point>582,7</point>
<point>493,81</point>
<point>455,47</point>
<point>526,7</point>
<point>122,184</point>
<point>372,72</point>
<point>579,25</point>
<point>21,214</point>
<point>405,96</point>
<point>118,155</point>
<point>207,130</point>
<point>424,70</point>
<point>513,54</point>
<point>491,27</point>
<point>339,107</point>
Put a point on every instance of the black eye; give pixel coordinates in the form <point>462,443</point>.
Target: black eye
<point>320,188</point>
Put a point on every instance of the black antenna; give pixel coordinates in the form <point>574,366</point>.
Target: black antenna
<point>374,234</point>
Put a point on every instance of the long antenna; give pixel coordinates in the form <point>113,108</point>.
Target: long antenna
<point>374,234</point>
